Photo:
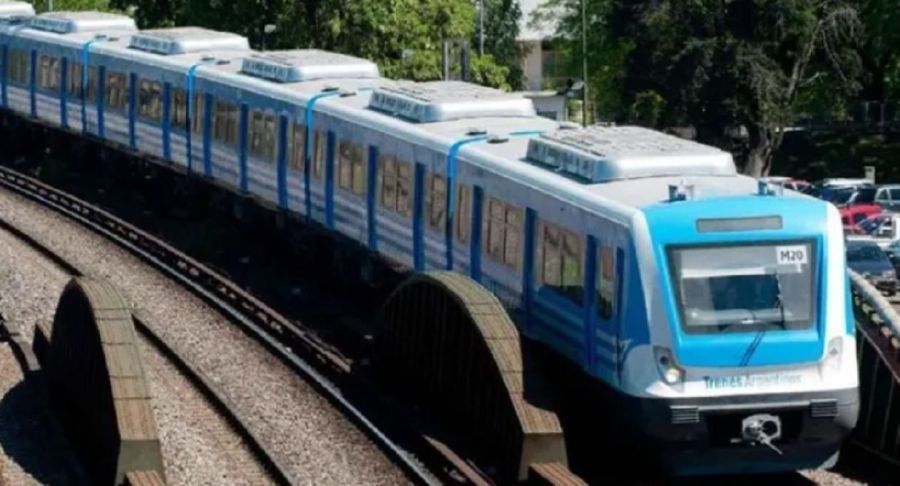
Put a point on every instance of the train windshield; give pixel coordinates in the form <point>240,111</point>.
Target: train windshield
<point>745,288</point>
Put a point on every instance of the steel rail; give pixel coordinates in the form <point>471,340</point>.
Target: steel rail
<point>288,341</point>
<point>273,464</point>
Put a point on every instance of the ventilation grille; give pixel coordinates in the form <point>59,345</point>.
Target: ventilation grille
<point>184,40</point>
<point>448,100</point>
<point>10,9</point>
<point>823,408</point>
<point>306,65</point>
<point>685,415</point>
<point>599,154</point>
<point>71,22</point>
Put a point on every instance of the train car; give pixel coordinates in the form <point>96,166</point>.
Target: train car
<point>712,310</point>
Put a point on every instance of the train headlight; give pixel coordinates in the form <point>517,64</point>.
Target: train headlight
<point>668,369</point>
<point>833,353</point>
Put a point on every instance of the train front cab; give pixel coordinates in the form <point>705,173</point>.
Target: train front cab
<point>751,365</point>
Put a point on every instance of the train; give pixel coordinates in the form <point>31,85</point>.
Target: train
<point>712,309</point>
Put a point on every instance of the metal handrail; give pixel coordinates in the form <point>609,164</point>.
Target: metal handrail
<point>880,305</point>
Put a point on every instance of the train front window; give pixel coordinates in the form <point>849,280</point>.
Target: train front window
<point>745,288</point>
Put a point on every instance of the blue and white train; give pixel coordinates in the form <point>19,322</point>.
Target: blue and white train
<point>717,310</point>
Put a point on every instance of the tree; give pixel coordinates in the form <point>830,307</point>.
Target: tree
<point>750,65</point>
<point>501,30</point>
<point>402,36</point>
<point>880,52</point>
<point>99,5</point>
<point>606,55</point>
<point>152,13</point>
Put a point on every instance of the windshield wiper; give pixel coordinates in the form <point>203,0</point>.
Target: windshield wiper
<point>779,300</point>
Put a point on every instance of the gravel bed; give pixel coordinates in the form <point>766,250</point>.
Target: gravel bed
<point>320,445</point>
<point>198,446</point>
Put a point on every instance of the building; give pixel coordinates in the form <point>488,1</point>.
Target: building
<point>543,74</point>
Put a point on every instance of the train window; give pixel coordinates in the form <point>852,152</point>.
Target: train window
<point>262,136</point>
<point>351,167</point>
<point>396,184</point>
<point>560,260</point>
<point>318,166</point>
<point>463,213</point>
<point>503,229</point>
<point>606,281</point>
<point>225,123</point>
<point>298,147</point>
<point>17,67</point>
<point>116,91</point>
<point>74,80</point>
<point>178,115</point>
<point>48,73</point>
<point>150,100</point>
<point>436,201</point>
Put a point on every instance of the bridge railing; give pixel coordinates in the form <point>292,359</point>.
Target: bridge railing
<point>878,331</point>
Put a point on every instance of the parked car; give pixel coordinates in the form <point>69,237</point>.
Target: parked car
<point>884,228</point>
<point>851,216</point>
<point>865,257</point>
<point>798,185</point>
<point>840,194</point>
<point>893,254</point>
<point>888,197</point>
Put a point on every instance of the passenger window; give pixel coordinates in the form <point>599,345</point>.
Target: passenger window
<point>17,68</point>
<point>262,136</point>
<point>178,114</point>
<point>463,213</point>
<point>150,100</point>
<point>319,143</point>
<point>225,123</point>
<point>560,261</point>
<point>436,201</point>
<point>396,183</point>
<point>882,195</point>
<point>116,91</point>
<point>895,195</point>
<point>503,229</point>
<point>606,281</point>
<point>48,73</point>
<point>298,148</point>
<point>351,167</point>
<point>75,80</point>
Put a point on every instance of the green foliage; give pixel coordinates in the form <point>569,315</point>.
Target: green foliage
<point>486,71</point>
<point>755,64</point>
<point>101,5</point>
<point>402,36</point>
<point>501,30</point>
<point>647,108</point>
<point>607,51</point>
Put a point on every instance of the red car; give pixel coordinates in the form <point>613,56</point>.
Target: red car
<point>853,215</point>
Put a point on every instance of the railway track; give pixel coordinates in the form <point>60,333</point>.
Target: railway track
<point>271,461</point>
<point>423,459</point>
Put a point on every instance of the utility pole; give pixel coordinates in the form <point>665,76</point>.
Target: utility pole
<point>481,27</point>
<point>584,64</point>
<point>49,5</point>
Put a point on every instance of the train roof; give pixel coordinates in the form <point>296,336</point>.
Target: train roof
<point>13,8</point>
<point>613,170</point>
<point>186,40</point>
<point>89,21</point>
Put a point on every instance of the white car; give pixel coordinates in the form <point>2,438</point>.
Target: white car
<point>884,228</point>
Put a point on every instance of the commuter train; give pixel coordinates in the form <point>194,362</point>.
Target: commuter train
<point>715,309</point>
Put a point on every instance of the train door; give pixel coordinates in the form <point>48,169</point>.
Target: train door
<point>608,333</point>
